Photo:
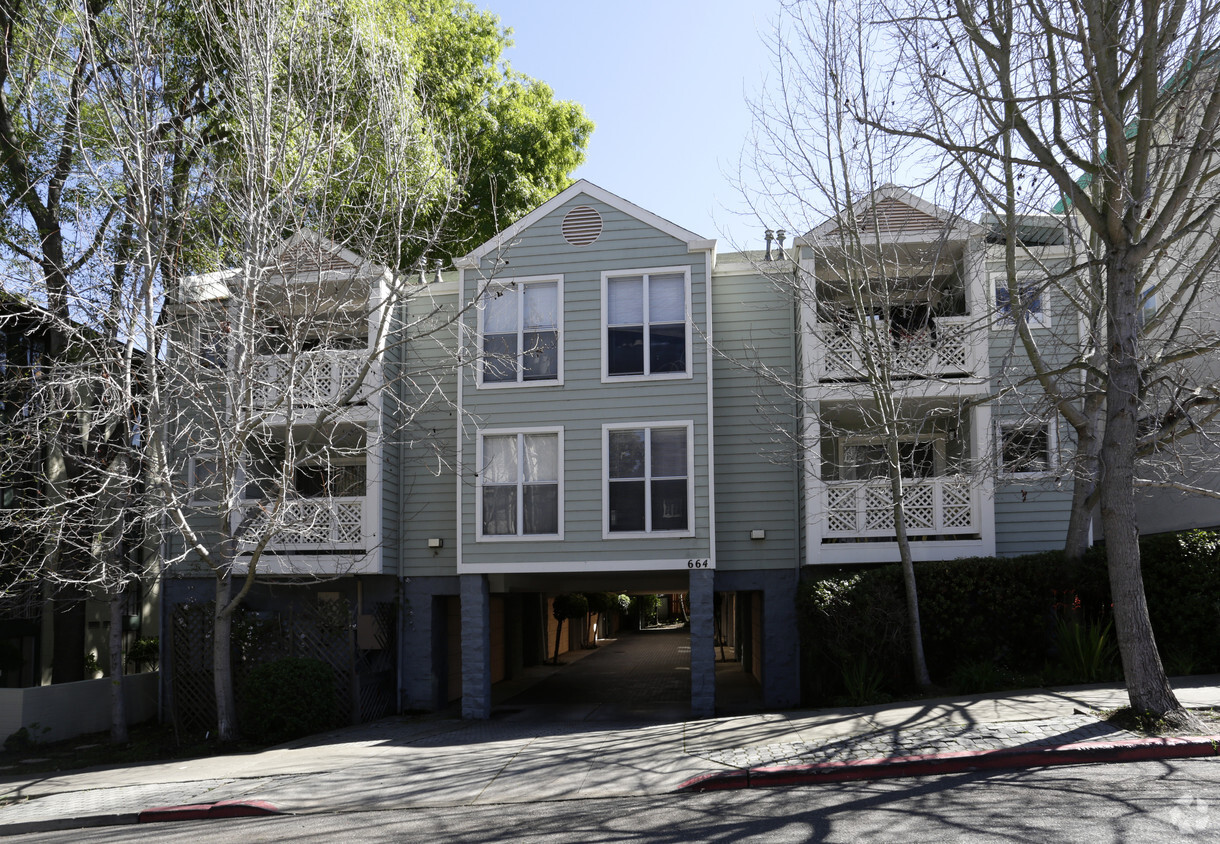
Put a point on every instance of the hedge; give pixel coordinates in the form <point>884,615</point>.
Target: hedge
<point>997,622</point>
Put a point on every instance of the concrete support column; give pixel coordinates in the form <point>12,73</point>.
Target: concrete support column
<point>476,646</point>
<point>702,646</point>
<point>781,647</point>
<point>419,678</point>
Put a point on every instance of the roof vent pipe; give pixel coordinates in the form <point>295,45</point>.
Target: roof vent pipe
<point>768,234</point>
<point>779,238</point>
<point>439,263</point>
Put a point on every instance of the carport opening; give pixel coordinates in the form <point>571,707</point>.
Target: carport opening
<point>623,654</point>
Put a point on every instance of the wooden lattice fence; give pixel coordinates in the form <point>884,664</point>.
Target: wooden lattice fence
<point>364,679</point>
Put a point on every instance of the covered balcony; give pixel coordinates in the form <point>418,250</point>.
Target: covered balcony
<point>941,451</point>
<point>314,507</point>
<point>324,361</point>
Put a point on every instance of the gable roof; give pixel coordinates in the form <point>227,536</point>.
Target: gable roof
<point>503,238</point>
<point>898,213</point>
<point>304,252</point>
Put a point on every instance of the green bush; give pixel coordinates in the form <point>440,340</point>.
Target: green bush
<point>287,699</point>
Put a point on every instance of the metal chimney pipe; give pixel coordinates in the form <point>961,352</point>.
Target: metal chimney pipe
<point>779,237</point>
<point>769,234</point>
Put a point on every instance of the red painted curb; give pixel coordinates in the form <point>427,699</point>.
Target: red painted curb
<point>957,762</point>
<point>201,811</point>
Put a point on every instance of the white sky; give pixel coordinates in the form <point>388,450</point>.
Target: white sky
<point>666,83</point>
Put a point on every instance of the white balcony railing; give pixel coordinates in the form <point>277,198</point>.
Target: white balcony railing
<point>316,378</point>
<point>956,350</point>
<point>308,524</point>
<point>944,506</point>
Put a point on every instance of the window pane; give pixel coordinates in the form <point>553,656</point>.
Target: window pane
<point>499,358</point>
<point>625,355</point>
<point>625,300</point>
<point>500,311</point>
<point>669,453</point>
<point>540,360</point>
<point>499,510</point>
<point>667,348</point>
<point>627,505</point>
<point>669,505</point>
<point>1025,449</point>
<point>541,305</point>
<point>667,298</point>
<point>541,458</point>
<point>918,460</point>
<point>626,454</point>
<point>500,460</point>
<point>541,509</point>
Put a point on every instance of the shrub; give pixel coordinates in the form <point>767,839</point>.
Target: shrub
<point>287,699</point>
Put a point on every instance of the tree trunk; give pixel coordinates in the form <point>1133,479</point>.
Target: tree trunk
<point>118,707</point>
<point>222,662</point>
<point>1147,686</point>
<point>1083,487</point>
<point>919,665</point>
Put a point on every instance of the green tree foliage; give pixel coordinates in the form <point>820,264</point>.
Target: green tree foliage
<point>517,144</point>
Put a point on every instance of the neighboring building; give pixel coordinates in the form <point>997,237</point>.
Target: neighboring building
<point>52,634</point>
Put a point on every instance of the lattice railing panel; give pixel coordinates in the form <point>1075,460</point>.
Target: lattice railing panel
<point>306,523</point>
<point>316,379</point>
<point>919,354</point>
<point>945,506</point>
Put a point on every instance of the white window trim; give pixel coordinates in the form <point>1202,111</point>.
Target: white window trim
<point>499,284</point>
<point>607,378</point>
<point>689,425</point>
<point>192,484</point>
<point>478,498</point>
<point>1052,448</point>
<point>1001,321</point>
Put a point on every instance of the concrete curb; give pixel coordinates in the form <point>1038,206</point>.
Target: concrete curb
<point>75,822</point>
<point>201,811</point>
<point>950,763</point>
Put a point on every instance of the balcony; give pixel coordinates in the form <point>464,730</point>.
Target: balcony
<point>956,349</point>
<point>319,378</point>
<point>309,524</point>
<point>944,507</point>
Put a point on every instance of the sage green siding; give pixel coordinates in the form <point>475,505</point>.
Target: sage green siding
<point>756,458</point>
<point>1031,514</point>
<point>427,434</point>
<point>582,404</point>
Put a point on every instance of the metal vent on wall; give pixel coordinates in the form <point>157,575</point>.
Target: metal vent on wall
<point>582,226</point>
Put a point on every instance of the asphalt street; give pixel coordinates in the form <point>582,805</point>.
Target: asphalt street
<point>1164,801</point>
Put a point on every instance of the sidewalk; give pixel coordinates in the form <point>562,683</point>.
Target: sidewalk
<point>405,763</point>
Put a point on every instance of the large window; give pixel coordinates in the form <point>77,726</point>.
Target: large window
<point>521,332</point>
<point>204,479</point>
<point>647,331</point>
<point>1026,449</point>
<point>519,484</point>
<point>648,474</point>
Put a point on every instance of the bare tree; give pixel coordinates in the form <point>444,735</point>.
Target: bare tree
<point>281,367</point>
<point>1109,111</point>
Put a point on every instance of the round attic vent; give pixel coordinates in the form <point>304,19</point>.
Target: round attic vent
<point>582,226</point>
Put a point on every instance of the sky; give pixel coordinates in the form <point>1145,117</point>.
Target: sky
<point>666,83</point>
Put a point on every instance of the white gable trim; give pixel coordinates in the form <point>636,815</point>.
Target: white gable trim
<point>308,235</point>
<point>693,241</point>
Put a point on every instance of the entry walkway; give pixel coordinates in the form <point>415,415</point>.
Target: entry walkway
<point>640,675</point>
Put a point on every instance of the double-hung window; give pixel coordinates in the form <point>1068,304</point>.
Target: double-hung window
<point>1026,449</point>
<point>204,479</point>
<point>519,484</point>
<point>648,478</point>
<point>520,327</point>
<point>1029,305</point>
<point>647,323</point>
